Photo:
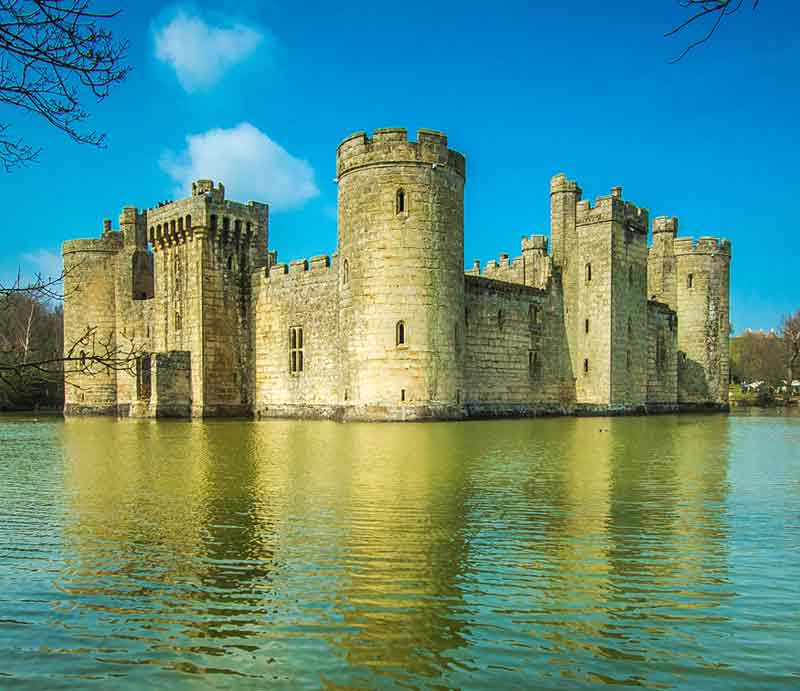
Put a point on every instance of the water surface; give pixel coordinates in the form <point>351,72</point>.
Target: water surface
<point>661,552</point>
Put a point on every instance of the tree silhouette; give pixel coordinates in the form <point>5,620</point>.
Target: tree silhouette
<point>55,54</point>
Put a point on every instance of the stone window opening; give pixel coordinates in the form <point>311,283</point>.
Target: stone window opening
<point>586,366</point>
<point>230,262</point>
<point>143,378</point>
<point>535,314</point>
<point>83,358</point>
<point>466,316</point>
<point>177,321</point>
<point>400,202</point>
<point>630,327</point>
<point>628,360</point>
<point>400,333</point>
<point>588,272</point>
<point>188,221</point>
<point>346,272</point>
<point>690,281</point>
<point>296,350</point>
<point>346,394</point>
<point>180,225</point>
<point>586,326</point>
<point>534,364</point>
<point>501,319</point>
<point>402,395</point>
<point>630,275</point>
<point>458,396</point>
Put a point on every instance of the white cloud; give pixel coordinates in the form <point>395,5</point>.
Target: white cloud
<point>199,52</point>
<point>247,162</point>
<point>44,262</point>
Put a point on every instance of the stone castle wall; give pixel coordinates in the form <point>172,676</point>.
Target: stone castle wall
<point>392,327</point>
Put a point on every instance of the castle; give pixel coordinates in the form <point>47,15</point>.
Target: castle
<point>391,327</point>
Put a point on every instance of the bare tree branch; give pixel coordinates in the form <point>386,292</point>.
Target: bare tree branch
<point>714,10</point>
<point>53,53</point>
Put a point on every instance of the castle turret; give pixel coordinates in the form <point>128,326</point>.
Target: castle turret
<point>90,338</point>
<point>693,278</point>
<point>400,251</point>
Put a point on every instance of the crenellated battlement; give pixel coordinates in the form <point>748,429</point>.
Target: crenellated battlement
<point>560,183</point>
<point>391,145</point>
<point>702,246</point>
<point>665,224</point>
<point>534,243</point>
<point>319,265</point>
<point>612,208</point>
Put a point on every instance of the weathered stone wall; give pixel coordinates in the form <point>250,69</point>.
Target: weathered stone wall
<point>514,353</point>
<point>90,324</point>
<point>401,253</point>
<point>703,320</point>
<point>662,357</point>
<point>172,385</point>
<point>303,295</point>
<point>693,278</point>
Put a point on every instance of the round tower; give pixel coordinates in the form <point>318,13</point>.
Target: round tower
<point>401,275</point>
<point>90,324</point>
<point>702,280</point>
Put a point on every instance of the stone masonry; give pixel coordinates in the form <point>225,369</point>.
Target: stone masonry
<point>391,327</point>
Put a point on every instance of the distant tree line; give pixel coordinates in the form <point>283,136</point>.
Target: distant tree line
<point>31,351</point>
<point>772,358</point>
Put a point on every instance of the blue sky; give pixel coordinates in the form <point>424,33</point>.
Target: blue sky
<point>259,94</point>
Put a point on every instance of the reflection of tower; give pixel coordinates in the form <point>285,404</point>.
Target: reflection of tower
<point>401,255</point>
<point>404,524</point>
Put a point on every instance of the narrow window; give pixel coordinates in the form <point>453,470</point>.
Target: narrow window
<point>346,394</point>
<point>586,366</point>
<point>458,396</point>
<point>213,222</point>
<point>501,319</point>
<point>535,314</point>
<point>466,316</point>
<point>586,326</point>
<point>630,275</point>
<point>400,202</point>
<point>588,272</point>
<point>402,394</point>
<point>690,281</point>
<point>346,272</point>
<point>534,364</point>
<point>400,333</point>
<point>177,321</point>
<point>296,349</point>
<point>628,360</point>
<point>230,262</point>
<point>83,358</point>
<point>188,222</point>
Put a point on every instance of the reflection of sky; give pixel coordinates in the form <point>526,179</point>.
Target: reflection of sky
<point>510,553</point>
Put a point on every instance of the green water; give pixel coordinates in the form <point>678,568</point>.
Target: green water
<point>661,552</point>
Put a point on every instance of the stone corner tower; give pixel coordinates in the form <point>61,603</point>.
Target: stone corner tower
<point>693,278</point>
<point>401,276</point>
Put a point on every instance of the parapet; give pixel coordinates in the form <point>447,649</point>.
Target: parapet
<point>110,243</point>
<point>703,246</point>
<point>560,183</point>
<point>391,145</point>
<point>317,265</point>
<point>202,188</point>
<point>612,208</point>
<point>665,224</point>
<point>534,242</point>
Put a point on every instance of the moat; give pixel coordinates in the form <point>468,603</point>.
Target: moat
<point>661,552</point>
